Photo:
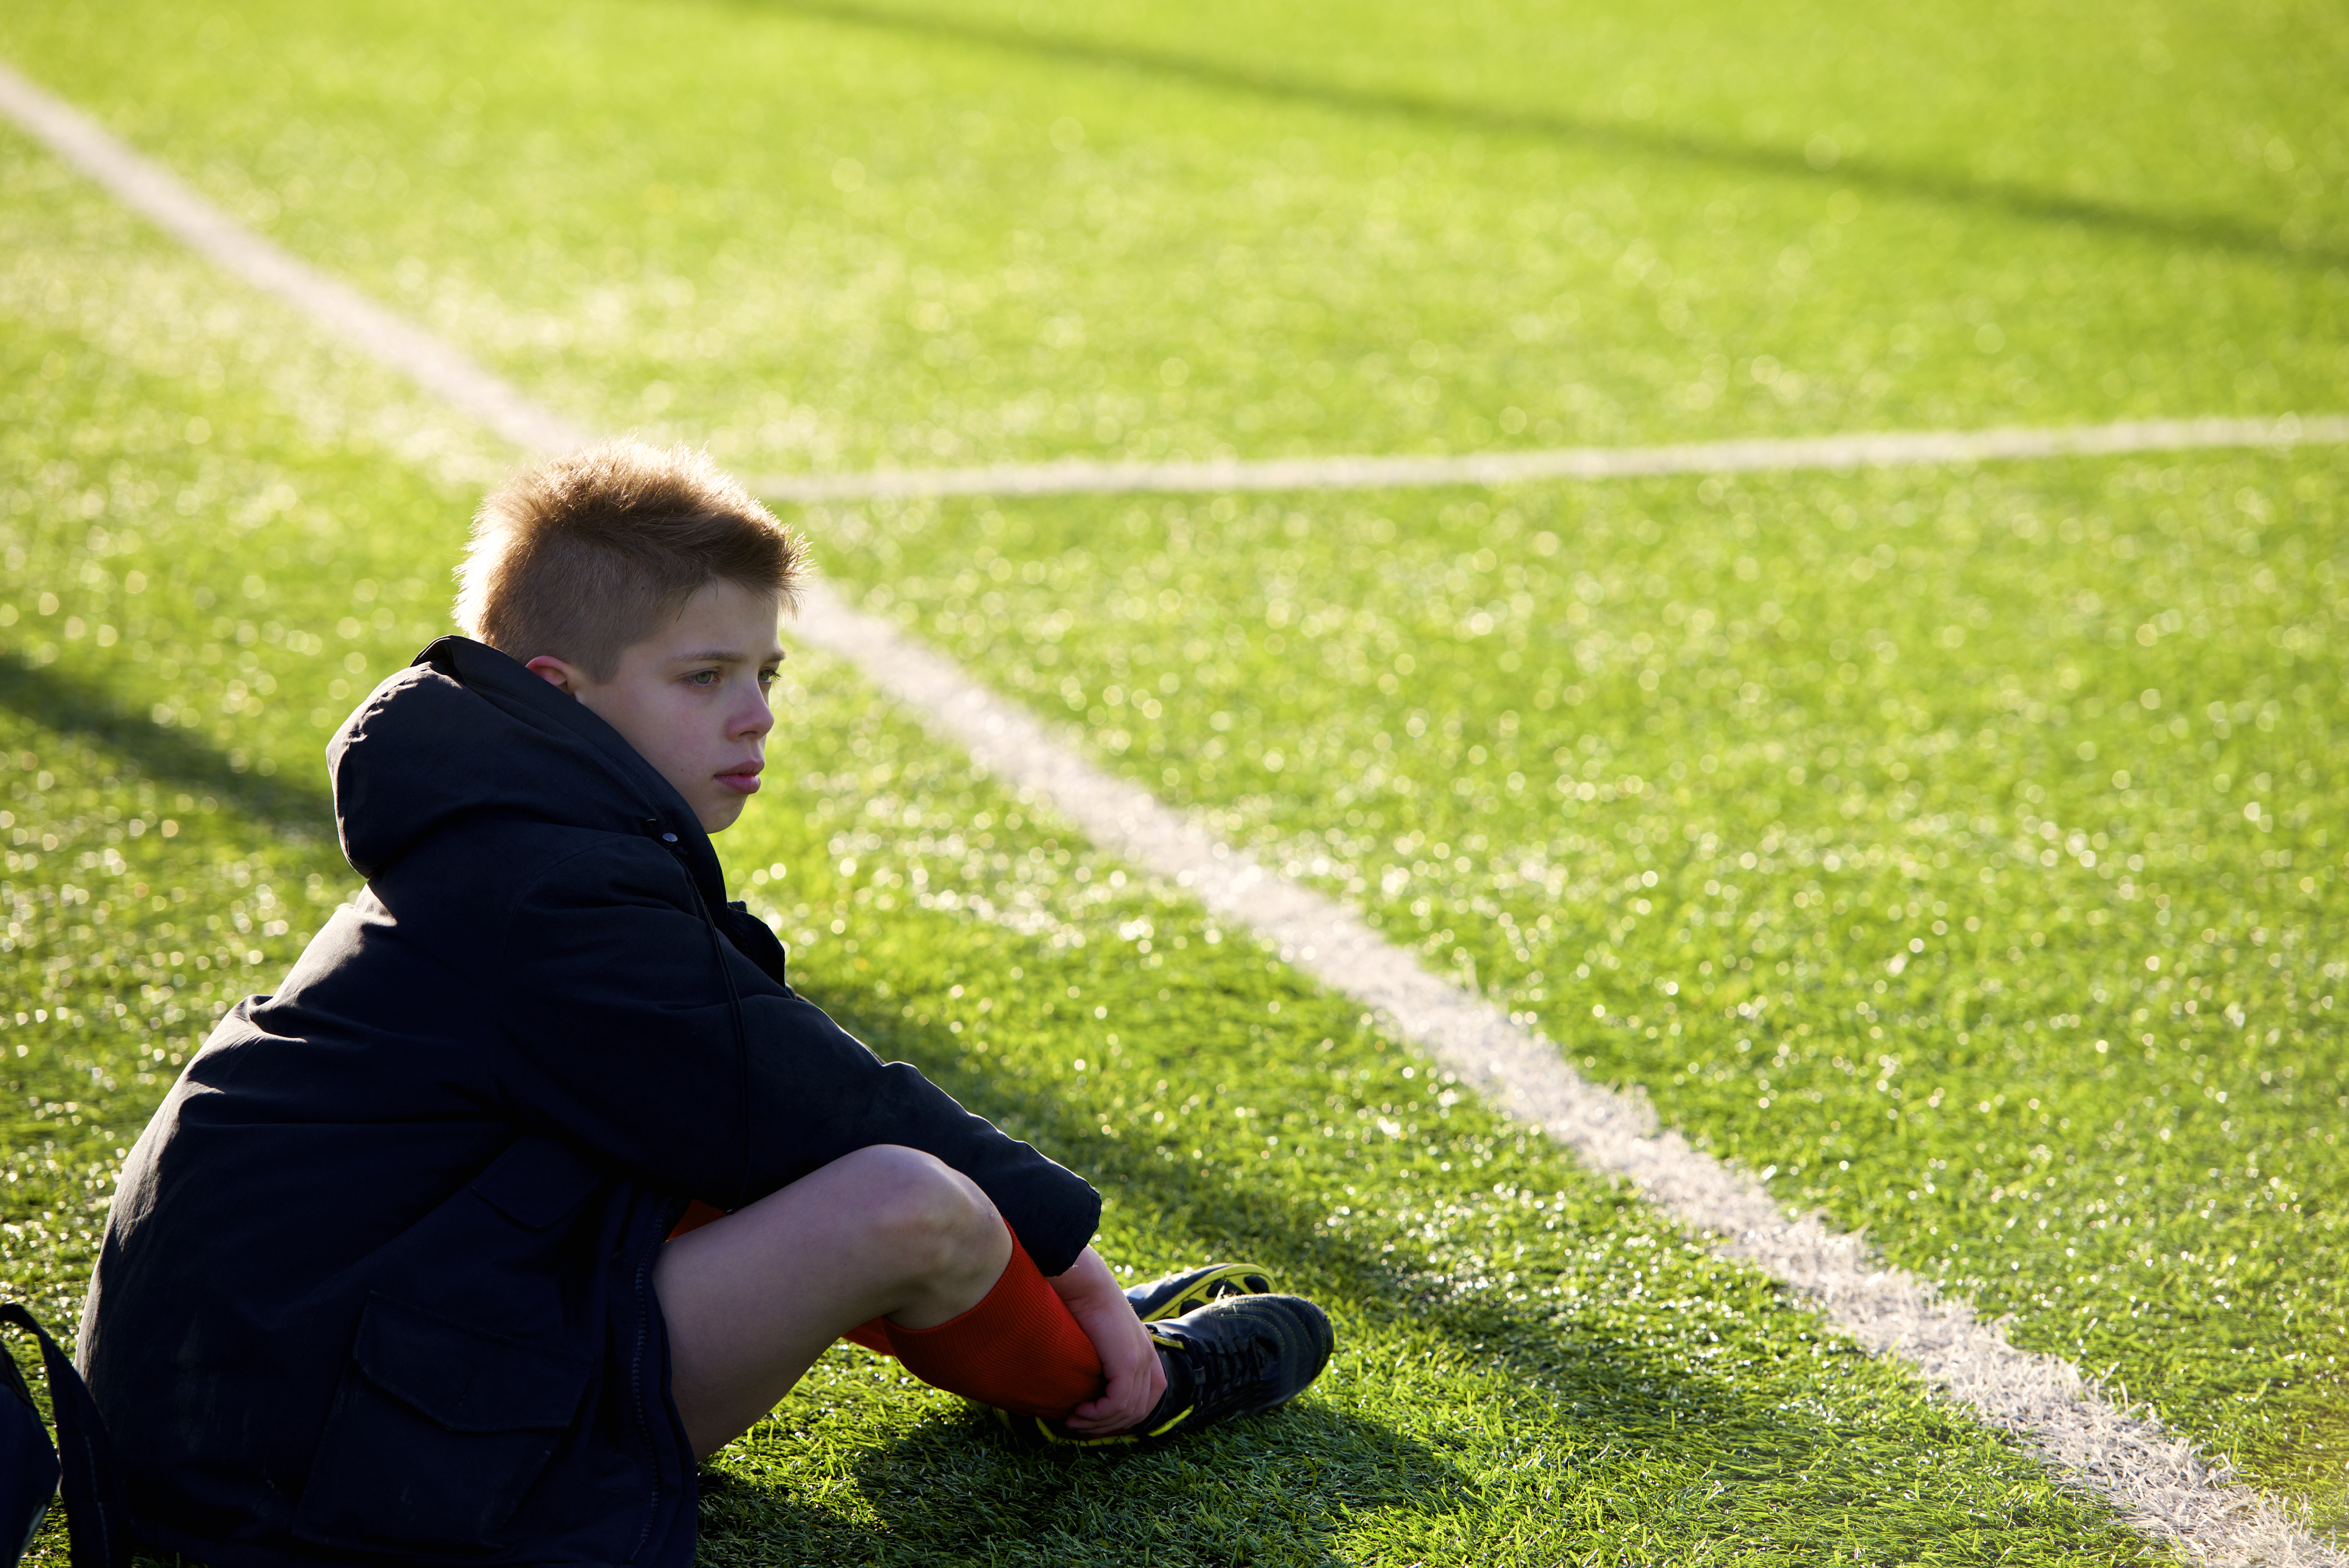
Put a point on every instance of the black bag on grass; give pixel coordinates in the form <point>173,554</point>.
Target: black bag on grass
<point>31,1471</point>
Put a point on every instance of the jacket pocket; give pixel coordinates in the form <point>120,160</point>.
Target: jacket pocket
<point>437,1429</point>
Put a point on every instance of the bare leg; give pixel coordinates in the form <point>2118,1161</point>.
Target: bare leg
<point>752,1300</point>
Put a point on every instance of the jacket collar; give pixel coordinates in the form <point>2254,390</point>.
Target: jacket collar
<point>466,731</point>
<point>663,814</point>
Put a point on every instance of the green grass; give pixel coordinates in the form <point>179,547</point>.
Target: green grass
<point>1979,104</point>
<point>1535,1368</point>
<point>1952,849</point>
<point>822,235</point>
<point>1842,814</point>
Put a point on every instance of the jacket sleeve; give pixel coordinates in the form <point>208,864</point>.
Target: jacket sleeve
<point>619,1016</point>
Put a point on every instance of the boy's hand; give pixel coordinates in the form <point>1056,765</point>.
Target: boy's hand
<point>1128,1357</point>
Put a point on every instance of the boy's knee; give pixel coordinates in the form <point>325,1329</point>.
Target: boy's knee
<point>932,1216</point>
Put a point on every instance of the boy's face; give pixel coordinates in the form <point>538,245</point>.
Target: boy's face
<point>692,697</point>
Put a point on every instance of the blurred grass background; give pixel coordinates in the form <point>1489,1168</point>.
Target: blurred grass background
<point>823,236</point>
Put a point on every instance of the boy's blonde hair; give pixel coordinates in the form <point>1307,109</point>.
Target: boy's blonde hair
<point>582,555</point>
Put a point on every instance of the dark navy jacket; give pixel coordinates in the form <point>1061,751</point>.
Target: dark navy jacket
<point>376,1284</point>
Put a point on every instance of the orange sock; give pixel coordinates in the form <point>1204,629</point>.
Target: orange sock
<point>696,1215</point>
<point>1019,1349</point>
<point>873,1335</point>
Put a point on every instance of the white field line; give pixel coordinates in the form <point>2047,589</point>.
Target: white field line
<point>157,194</point>
<point>154,192</point>
<point>1880,449</point>
<point>2155,1480</point>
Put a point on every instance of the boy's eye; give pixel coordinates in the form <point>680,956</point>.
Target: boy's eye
<point>704,677</point>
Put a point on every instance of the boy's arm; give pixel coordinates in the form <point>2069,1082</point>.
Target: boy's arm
<point>624,1041</point>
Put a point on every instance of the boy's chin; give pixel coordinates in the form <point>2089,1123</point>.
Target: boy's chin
<point>721,816</point>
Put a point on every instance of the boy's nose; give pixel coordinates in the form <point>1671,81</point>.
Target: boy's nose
<point>753,718</point>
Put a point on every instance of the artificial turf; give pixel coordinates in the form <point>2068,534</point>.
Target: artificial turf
<point>818,236</point>
<point>821,235</point>
<point>1953,850</point>
<point>1535,1368</point>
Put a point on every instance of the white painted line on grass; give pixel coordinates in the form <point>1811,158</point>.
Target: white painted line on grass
<point>157,194</point>
<point>1881,449</point>
<point>2155,1480</point>
<point>160,196</point>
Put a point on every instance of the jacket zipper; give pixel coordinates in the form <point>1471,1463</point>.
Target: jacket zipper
<point>733,1002</point>
<point>668,840</point>
<point>636,1394</point>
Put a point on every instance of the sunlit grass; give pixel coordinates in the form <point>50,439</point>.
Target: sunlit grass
<point>1843,814</point>
<point>1955,848</point>
<point>823,235</point>
<point>1535,1368</point>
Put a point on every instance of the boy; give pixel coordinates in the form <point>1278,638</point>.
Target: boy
<point>395,1272</point>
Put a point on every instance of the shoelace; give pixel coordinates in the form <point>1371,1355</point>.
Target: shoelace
<point>1219,1370</point>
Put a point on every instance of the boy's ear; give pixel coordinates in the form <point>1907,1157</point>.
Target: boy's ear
<point>555,673</point>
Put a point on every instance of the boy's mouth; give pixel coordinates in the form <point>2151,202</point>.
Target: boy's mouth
<point>744,778</point>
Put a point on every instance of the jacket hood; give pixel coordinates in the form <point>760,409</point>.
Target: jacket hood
<point>467,729</point>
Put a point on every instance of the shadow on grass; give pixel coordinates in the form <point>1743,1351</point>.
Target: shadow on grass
<point>1270,1489</point>
<point>85,709</point>
<point>2216,231</point>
